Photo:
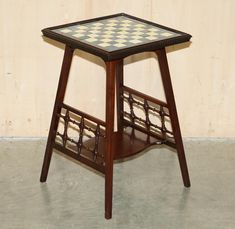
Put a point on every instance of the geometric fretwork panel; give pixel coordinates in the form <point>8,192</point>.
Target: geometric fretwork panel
<point>80,133</point>
<point>147,114</point>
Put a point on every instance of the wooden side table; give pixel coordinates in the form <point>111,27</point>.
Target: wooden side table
<point>96,144</point>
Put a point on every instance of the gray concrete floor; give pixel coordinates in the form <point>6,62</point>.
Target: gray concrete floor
<point>148,191</point>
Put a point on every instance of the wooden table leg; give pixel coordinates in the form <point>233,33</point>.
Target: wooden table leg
<point>110,97</point>
<point>119,92</point>
<point>166,79</point>
<point>68,54</point>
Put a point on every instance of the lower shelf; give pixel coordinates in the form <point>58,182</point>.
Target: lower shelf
<point>125,144</point>
<point>82,136</point>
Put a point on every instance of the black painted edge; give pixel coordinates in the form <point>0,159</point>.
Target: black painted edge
<point>118,54</point>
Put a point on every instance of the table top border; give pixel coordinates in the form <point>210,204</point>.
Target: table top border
<point>121,53</point>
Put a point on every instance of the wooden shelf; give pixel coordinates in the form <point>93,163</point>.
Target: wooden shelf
<point>126,143</point>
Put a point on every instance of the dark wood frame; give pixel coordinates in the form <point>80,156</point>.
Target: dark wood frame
<point>113,143</point>
<point>64,75</point>
<point>119,54</point>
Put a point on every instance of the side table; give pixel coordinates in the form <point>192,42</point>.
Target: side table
<point>96,144</point>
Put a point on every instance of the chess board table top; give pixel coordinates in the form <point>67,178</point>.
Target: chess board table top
<point>116,36</point>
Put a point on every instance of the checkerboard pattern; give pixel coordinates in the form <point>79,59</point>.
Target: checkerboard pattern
<point>116,33</point>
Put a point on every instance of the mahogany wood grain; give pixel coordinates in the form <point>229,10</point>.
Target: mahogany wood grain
<point>126,143</point>
<point>109,118</point>
<point>166,80</point>
<point>134,134</point>
<point>119,93</point>
<point>68,55</point>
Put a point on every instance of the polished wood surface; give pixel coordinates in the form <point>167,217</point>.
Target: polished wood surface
<point>96,143</point>
<point>64,75</point>
<point>109,118</point>
<point>166,80</point>
<point>118,54</point>
<point>126,143</point>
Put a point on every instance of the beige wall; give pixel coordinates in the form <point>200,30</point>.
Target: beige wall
<point>203,74</point>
